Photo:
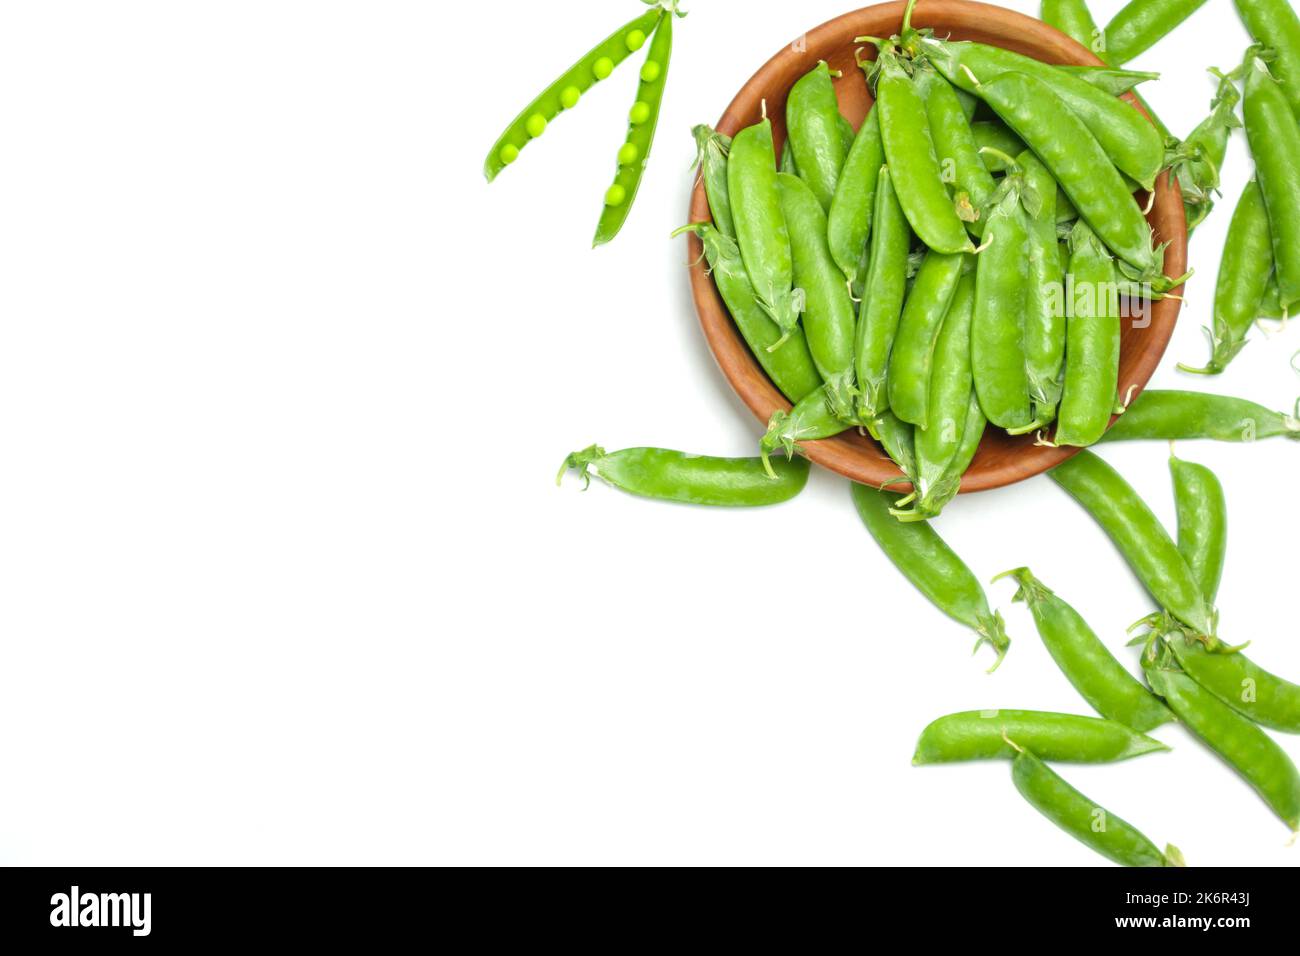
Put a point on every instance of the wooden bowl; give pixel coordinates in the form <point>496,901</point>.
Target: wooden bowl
<point>1001,460</point>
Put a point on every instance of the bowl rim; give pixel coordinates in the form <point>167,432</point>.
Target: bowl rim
<point>851,454</point>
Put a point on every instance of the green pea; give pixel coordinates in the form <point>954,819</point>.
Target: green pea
<point>635,40</point>
<point>690,479</point>
<point>569,97</point>
<point>602,68</point>
<point>536,125</point>
<point>639,113</point>
<point>509,153</point>
<point>650,72</point>
<point>1170,415</point>
<point>615,196</point>
<point>627,154</point>
<point>1066,738</point>
<point>1090,824</point>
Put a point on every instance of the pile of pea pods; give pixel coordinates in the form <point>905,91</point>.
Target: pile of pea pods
<point>954,265</point>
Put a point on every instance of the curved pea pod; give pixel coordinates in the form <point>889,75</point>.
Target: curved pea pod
<point>882,303</point>
<point>1086,662</point>
<point>690,479</point>
<point>642,121</point>
<point>910,154</point>
<point>1045,299</point>
<point>761,230</point>
<point>998,328</point>
<point>1243,685</point>
<point>712,148</point>
<point>924,559</point>
<point>565,91</point>
<point>1093,343</point>
<point>848,224</point>
<point>996,144</point>
<point>1076,160</point>
<point>1170,415</point>
<point>1274,137</point>
<point>813,119</point>
<point>811,419</point>
<point>1110,80</point>
<point>1140,24</point>
<point>1274,23</point>
<point>1074,19</point>
<point>1202,523</point>
<point>828,319</point>
<point>954,144</point>
<point>1138,535</point>
<point>912,358</point>
<point>950,389</point>
<point>1092,825</point>
<point>1244,272</point>
<point>1131,143</point>
<point>1066,738</point>
<point>1246,748</point>
<point>788,364</point>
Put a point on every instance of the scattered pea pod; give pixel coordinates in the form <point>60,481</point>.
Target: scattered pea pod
<point>1202,523</point>
<point>1275,24</point>
<point>1066,738</point>
<point>848,223</point>
<point>712,148</point>
<point>1138,535</point>
<point>1274,137</point>
<point>1093,343</point>
<point>1091,825</point>
<point>785,358</point>
<point>691,479</point>
<point>925,559</point>
<point>564,93</point>
<point>912,359</point>
<point>1243,685</point>
<point>642,121</point>
<point>1180,416</point>
<point>815,135</point>
<point>882,305</point>
<point>1140,24</point>
<point>1093,670</point>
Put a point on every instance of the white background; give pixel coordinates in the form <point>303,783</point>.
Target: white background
<point>284,573</point>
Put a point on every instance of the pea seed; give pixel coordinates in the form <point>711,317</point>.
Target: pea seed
<point>509,153</point>
<point>635,40</point>
<point>628,154</point>
<point>602,67</point>
<point>640,113</point>
<point>650,72</point>
<point>536,125</point>
<point>569,97</point>
<point>616,195</point>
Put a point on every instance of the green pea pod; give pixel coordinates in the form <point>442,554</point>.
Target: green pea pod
<point>882,304</point>
<point>691,479</point>
<point>828,318</point>
<point>1109,80</point>
<point>910,154</point>
<point>1093,670</point>
<point>898,438</point>
<point>1090,824</point>
<point>954,145</point>
<point>1074,19</point>
<point>1138,535</point>
<point>1077,162</point>
<point>565,92</point>
<point>1274,139</point>
<point>712,149</point>
<point>1159,415</point>
<point>1244,686</point>
<point>760,223</point>
<point>1274,23</point>
<point>847,132</point>
<point>996,144</point>
<point>1045,326</point>
<point>789,364</point>
<point>1270,307</point>
<point>936,498</point>
<point>848,225</point>
<point>810,420</point>
<point>924,559</point>
<point>1131,143</point>
<point>1244,272</point>
<point>1202,523</point>
<point>642,121</point>
<point>1093,343</point>
<point>787,159</point>
<point>912,358</point>
<point>1065,738</point>
<point>1246,748</point>
<point>950,389</point>
<point>998,328</point>
<point>813,120</point>
<point>1143,23</point>
<point>1195,163</point>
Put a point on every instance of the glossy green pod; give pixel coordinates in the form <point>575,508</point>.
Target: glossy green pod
<point>1066,738</point>
<point>816,140</point>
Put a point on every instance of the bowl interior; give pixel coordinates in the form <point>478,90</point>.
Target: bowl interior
<point>1002,459</point>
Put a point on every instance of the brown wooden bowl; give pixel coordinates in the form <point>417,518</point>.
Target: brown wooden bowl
<point>1002,459</point>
